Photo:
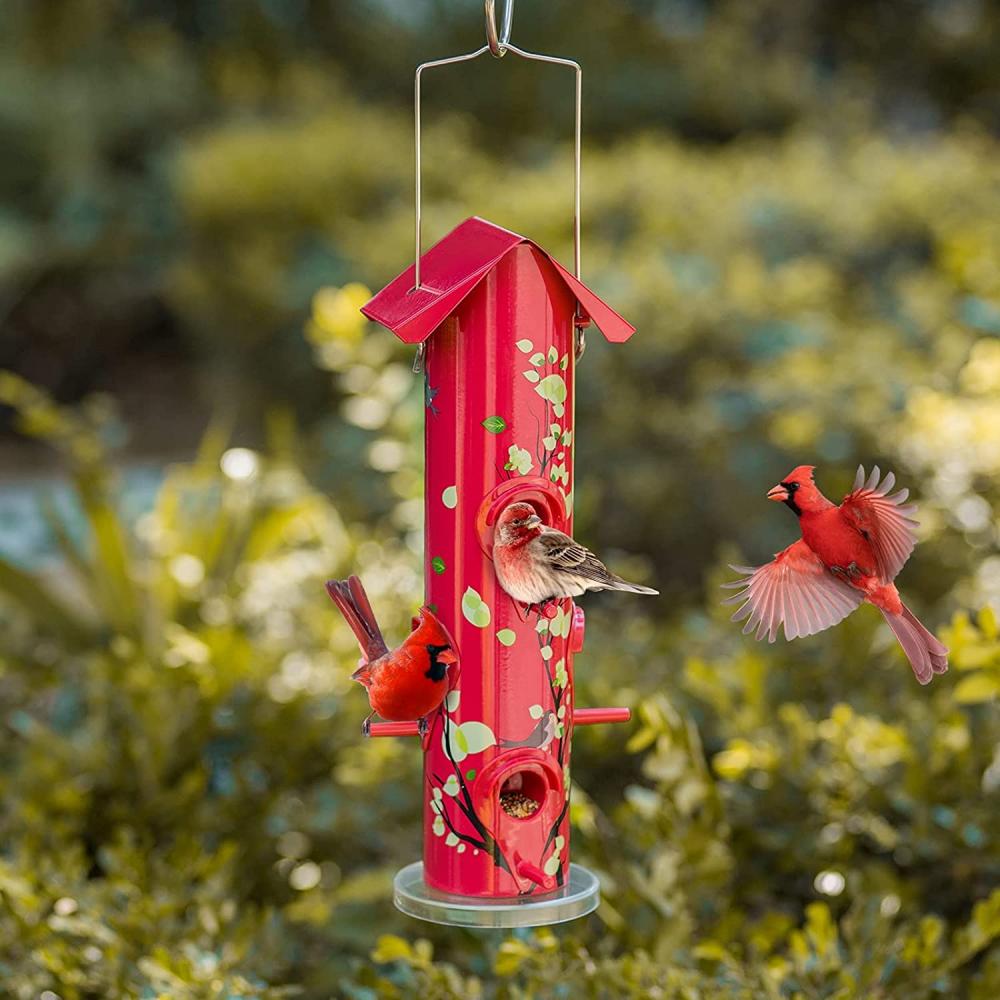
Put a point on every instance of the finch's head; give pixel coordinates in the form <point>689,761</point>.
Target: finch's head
<point>518,523</point>
<point>798,491</point>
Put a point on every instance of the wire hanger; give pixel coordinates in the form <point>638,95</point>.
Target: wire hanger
<point>498,44</point>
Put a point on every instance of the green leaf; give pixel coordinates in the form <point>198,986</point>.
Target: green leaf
<point>495,424</point>
<point>531,376</point>
<point>552,388</point>
<point>43,607</point>
<point>977,688</point>
<point>537,359</point>
<point>553,355</point>
<point>475,610</point>
<point>536,711</point>
<point>525,346</point>
<point>391,948</point>
<point>987,620</point>
<point>437,564</point>
<point>506,637</point>
<point>449,497</point>
<point>470,774</point>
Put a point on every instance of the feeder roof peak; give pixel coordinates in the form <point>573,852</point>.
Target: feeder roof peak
<point>453,267</point>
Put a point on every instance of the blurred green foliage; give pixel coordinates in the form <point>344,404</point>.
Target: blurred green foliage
<point>798,210</point>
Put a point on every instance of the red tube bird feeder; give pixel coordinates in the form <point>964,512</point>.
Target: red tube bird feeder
<point>499,326</point>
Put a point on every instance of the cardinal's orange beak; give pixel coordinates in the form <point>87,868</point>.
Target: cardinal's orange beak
<point>447,656</point>
<point>778,492</point>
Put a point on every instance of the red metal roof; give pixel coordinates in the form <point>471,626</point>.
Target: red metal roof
<point>449,271</point>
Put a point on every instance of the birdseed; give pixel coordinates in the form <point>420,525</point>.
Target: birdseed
<point>517,804</point>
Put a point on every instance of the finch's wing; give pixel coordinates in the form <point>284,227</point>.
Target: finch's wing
<point>795,589</point>
<point>884,520</point>
<point>564,555</point>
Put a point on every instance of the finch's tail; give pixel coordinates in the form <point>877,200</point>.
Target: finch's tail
<point>352,600</point>
<point>617,583</point>
<point>927,654</point>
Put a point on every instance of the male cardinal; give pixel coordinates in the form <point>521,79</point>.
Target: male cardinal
<point>411,681</point>
<point>536,564</point>
<point>847,554</point>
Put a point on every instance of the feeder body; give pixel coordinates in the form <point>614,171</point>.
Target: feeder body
<point>497,316</point>
<point>499,424</point>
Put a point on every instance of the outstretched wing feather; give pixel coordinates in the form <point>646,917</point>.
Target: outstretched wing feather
<point>884,519</point>
<point>794,590</point>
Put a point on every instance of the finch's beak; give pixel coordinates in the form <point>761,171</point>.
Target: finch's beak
<point>778,492</point>
<point>533,521</point>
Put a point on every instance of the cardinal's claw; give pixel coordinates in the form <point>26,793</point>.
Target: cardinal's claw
<point>366,727</point>
<point>422,727</point>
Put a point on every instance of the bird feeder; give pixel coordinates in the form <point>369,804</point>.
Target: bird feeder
<point>498,324</point>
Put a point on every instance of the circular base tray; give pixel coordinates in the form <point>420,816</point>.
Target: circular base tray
<point>578,897</point>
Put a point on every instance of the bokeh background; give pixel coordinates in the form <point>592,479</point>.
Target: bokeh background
<point>799,207</point>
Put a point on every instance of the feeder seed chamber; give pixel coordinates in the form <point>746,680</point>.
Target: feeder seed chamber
<point>498,325</point>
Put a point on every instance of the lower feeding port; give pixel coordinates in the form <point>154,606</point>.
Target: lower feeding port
<point>522,794</point>
<point>579,896</point>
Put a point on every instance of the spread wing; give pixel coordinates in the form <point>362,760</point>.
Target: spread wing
<point>885,520</point>
<point>795,589</point>
<point>564,555</point>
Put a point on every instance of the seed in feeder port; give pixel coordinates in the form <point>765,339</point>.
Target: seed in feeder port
<point>517,804</point>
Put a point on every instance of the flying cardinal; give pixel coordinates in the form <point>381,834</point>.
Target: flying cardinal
<point>536,564</point>
<point>847,554</point>
<point>408,683</point>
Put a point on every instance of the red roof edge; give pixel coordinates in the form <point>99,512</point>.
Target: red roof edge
<point>452,268</point>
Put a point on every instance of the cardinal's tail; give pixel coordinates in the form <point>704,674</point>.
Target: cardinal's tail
<point>352,600</point>
<point>927,654</point>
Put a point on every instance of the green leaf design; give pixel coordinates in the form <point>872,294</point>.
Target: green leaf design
<point>476,611</point>
<point>437,564</point>
<point>470,774</point>
<point>495,424</point>
<point>564,364</point>
<point>519,459</point>
<point>506,637</point>
<point>550,443</point>
<point>449,497</point>
<point>531,375</point>
<point>553,355</point>
<point>567,437</point>
<point>477,736</point>
<point>536,711</point>
<point>552,388</point>
<point>525,346</point>
<point>537,359</point>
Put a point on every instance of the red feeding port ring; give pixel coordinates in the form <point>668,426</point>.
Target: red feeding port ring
<point>540,493</point>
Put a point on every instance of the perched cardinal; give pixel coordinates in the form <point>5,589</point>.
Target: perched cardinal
<point>536,564</point>
<point>847,554</point>
<point>408,683</point>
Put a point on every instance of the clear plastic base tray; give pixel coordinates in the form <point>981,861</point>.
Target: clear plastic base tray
<point>578,897</point>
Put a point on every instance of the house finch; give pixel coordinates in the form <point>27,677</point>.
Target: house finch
<point>536,564</point>
<point>847,554</point>
<point>409,682</point>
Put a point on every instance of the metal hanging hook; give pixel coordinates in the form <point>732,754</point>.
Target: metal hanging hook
<point>498,42</point>
<point>503,45</point>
